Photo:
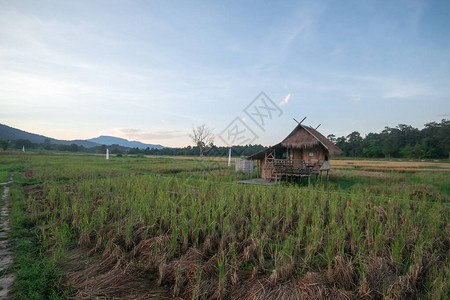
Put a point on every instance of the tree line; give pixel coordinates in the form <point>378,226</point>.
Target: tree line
<point>47,145</point>
<point>208,150</point>
<point>402,141</point>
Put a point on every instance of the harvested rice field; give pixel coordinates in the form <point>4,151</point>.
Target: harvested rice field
<point>398,165</point>
<point>137,227</point>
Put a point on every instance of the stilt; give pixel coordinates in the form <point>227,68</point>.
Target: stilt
<point>327,175</point>
<point>309,180</point>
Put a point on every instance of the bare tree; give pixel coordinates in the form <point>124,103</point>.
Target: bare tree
<point>202,136</point>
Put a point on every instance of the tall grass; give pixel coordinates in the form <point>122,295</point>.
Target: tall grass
<point>151,221</point>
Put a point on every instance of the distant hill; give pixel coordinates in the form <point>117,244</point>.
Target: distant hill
<point>10,133</point>
<point>111,140</point>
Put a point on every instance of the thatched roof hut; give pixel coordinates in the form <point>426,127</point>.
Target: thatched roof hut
<point>303,152</point>
<point>302,137</point>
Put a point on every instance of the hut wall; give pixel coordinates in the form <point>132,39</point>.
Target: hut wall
<point>318,153</point>
<point>266,170</point>
<point>303,154</point>
<point>244,165</point>
<point>297,154</point>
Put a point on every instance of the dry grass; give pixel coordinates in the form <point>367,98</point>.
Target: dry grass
<point>136,236</point>
<point>399,166</point>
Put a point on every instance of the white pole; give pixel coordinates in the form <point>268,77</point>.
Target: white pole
<point>23,148</point>
<point>229,158</point>
<point>107,153</point>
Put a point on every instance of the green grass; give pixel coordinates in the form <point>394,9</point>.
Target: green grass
<point>433,168</point>
<point>4,175</point>
<point>38,276</point>
<point>435,184</point>
<point>344,183</point>
<point>112,207</point>
<point>435,181</point>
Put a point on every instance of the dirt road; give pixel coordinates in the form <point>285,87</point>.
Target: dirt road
<point>6,245</point>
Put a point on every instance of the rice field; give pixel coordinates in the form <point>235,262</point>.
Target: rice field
<point>397,165</point>
<point>163,228</point>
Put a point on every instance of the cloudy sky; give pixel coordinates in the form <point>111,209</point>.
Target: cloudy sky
<point>151,70</point>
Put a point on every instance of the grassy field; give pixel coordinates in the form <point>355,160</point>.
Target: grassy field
<point>158,227</point>
<point>398,165</point>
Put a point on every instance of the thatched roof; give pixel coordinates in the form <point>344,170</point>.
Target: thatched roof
<point>261,154</point>
<point>307,137</point>
<point>302,137</point>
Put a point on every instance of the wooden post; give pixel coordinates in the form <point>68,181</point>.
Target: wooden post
<point>327,175</point>
<point>257,168</point>
<point>309,180</point>
<point>265,166</point>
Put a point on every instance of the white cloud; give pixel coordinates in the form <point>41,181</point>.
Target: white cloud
<point>285,100</point>
<point>355,99</point>
<point>134,134</point>
<point>296,28</point>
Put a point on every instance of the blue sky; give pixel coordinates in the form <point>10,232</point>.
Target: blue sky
<point>151,70</point>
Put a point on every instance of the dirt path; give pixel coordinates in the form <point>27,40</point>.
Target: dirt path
<point>6,245</point>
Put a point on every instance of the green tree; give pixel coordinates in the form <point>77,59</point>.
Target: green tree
<point>390,140</point>
<point>4,144</point>
<point>332,138</point>
<point>23,143</point>
<point>341,142</point>
<point>372,146</point>
<point>354,140</point>
<point>102,149</point>
<point>47,145</point>
<point>443,137</point>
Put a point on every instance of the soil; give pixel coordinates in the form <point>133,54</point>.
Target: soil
<point>6,245</point>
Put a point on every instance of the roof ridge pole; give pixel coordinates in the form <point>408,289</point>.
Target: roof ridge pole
<point>300,121</point>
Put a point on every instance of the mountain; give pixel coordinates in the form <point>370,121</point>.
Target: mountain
<point>111,140</point>
<point>10,133</point>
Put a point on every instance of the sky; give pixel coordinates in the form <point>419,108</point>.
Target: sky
<point>153,70</point>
